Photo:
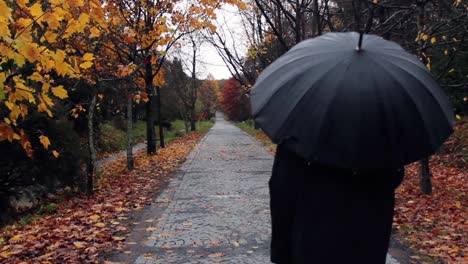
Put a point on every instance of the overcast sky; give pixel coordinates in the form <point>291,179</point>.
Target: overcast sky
<point>209,62</point>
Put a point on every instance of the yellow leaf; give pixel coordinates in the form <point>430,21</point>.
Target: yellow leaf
<point>100,96</point>
<point>7,254</point>
<point>100,224</point>
<point>5,11</point>
<point>151,228</point>
<point>22,3</point>
<point>15,112</point>
<point>53,21</point>
<point>61,66</point>
<point>42,107</point>
<point>15,238</point>
<point>88,57</point>
<point>83,20</point>
<point>60,92</point>
<point>446,52</point>
<point>44,141</point>
<point>94,217</point>
<point>47,100</point>
<point>36,10</point>
<point>55,153</point>
<point>376,1</point>
<point>424,37</point>
<point>433,40</point>
<point>429,66</point>
<point>50,36</point>
<point>86,64</point>
<point>94,32</point>
<point>458,117</point>
<point>216,255</point>
<point>30,52</point>
<point>4,30</point>
<point>79,245</point>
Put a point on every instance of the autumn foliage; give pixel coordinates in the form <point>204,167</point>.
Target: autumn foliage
<point>234,101</point>
<point>208,95</point>
<point>82,228</point>
<point>36,54</point>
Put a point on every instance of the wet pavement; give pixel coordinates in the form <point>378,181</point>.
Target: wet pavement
<point>214,210</point>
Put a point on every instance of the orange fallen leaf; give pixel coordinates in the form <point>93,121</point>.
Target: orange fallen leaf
<point>15,239</point>
<point>79,244</point>
<point>100,224</point>
<point>94,217</point>
<point>216,255</point>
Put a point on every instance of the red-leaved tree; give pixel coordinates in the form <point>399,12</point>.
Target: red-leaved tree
<point>234,101</point>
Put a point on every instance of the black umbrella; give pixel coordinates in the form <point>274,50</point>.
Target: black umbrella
<point>332,101</point>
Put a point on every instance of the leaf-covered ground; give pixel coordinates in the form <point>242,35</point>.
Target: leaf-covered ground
<point>82,228</point>
<point>434,225</point>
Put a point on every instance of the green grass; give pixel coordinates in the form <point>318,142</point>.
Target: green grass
<point>113,139</point>
<point>178,129</point>
<point>139,131</point>
<point>248,126</point>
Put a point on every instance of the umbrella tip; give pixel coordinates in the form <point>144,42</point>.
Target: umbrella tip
<point>359,46</point>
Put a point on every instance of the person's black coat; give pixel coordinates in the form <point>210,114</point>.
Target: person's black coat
<point>325,215</point>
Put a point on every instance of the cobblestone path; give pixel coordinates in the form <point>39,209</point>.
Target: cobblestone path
<point>216,208</point>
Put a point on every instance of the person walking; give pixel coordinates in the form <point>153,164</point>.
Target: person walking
<point>348,111</point>
<point>323,214</point>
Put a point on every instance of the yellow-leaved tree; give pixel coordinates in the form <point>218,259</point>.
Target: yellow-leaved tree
<point>145,31</point>
<point>36,56</point>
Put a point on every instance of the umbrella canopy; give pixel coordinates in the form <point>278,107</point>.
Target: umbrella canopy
<point>371,107</point>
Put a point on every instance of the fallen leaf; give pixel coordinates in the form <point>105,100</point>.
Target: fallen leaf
<point>15,239</point>
<point>216,255</point>
<point>79,244</point>
<point>94,217</point>
<point>100,224</point>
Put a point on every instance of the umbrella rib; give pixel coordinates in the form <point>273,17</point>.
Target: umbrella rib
<point>262,107</point>
<point>280,131</point>
<point>393,76</point>
<point>423,68</point>
<point>287,63</point>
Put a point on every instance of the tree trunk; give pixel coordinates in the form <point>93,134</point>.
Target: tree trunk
<point>184,117</point>
<point>91,149</point>
<point>193,92</point>
<point>193,120</point>
<point>317,17</point>
<point>150,133</point>
<point>130,163</point>
<point>425,184</point>
<point>161,130</point>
